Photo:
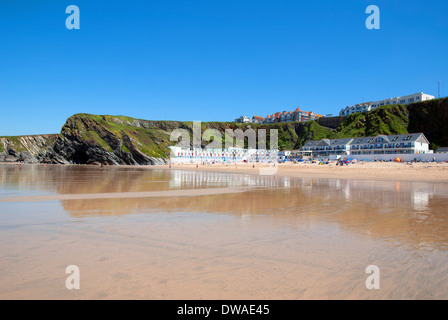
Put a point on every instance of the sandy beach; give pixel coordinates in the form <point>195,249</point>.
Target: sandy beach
<point>210,233</point>
<point>425,172</point>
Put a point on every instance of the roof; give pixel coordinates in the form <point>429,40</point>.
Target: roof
<point>311,143</point>
<point>324,142</point>
<point>279,114</point>
<point>411,137</point>
<point>362,104</point>
<point>341,142</point>
<point>442,150</point>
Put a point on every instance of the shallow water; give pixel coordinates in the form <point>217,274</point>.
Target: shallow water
<point>251,237</point>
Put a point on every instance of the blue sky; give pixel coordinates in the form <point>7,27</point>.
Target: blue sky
<point>211,60</point>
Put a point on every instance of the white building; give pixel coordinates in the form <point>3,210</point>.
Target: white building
<point>368,106</point>
<point>230,155</point>
<point>243,119</point>
<point>284,155</point>
<point>393,145</point>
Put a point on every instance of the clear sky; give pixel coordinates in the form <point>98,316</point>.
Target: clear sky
<point>211,60</point>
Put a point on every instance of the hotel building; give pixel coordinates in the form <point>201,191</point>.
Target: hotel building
<point>415,143</point>
<point>369,106</point>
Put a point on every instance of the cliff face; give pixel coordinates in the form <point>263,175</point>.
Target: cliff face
<point>431,118</point>
<point>94,139</point>
<point>87,139</point>
<point>30,149</point>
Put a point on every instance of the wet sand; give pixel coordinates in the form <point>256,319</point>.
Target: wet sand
<point>282,238</point>
<point>125,195</point>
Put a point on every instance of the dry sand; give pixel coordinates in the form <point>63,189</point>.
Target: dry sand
<point>425,172</point>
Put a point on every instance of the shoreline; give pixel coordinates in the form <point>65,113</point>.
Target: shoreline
<point>378,171</point>
<point>386,171</point>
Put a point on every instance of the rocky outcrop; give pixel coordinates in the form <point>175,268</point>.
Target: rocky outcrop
<point>88,139</point>
<point>91,139</point>
<point>27,149</point>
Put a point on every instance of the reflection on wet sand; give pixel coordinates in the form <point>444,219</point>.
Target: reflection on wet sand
<point>281,238</point>
<point>83,180</point>
<point>406,212</point>
<point>126,195</point>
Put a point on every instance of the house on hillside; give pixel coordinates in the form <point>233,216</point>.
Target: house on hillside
<point>243,119</point>
<point>369,106</point>
<point>257,119</point>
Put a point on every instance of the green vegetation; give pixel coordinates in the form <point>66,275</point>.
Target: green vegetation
<point>15,144</point>
<point>385,120</point>
<point>124,148</point>
<point>152,138</point>
<point>94,138</point>
<point>115,132</point>
<point>313,131</point>
<point>429,117</point>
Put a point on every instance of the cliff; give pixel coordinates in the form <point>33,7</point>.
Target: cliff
<point>94,139</point>
<point>30,149</point>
